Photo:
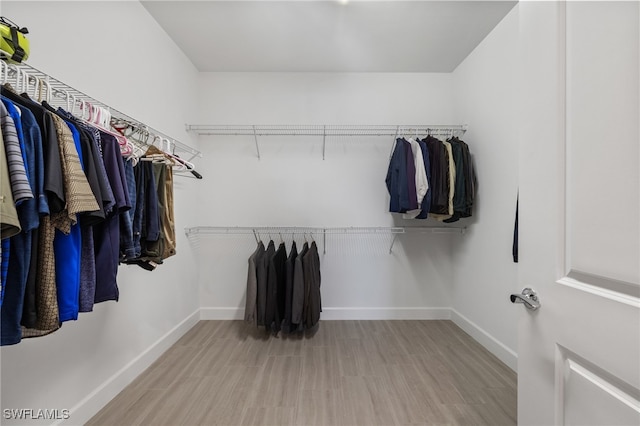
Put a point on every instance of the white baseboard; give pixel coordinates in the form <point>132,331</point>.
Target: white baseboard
<point>493,345</point>
<point>97,399</point>
<point>385,313</point>
<point>343,313</point>
<point>221,313</point>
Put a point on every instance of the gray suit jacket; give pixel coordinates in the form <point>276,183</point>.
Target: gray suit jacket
<point>250,309</point>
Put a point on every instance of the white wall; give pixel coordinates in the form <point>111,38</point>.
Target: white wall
<point>115,52</point>
<point>486,97</point>
<point>292,186</point>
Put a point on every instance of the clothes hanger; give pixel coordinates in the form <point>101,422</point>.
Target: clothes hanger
<point>25,81</point>
<point>37,90</point>
<point>48,94</point>
<point>106,117</point>
<point>18,73</point>
<point>181,166</point>
<point>74,101</point>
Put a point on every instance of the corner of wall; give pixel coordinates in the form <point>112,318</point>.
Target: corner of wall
<point>486,87</point>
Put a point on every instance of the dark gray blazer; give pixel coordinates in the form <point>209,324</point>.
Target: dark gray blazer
<point>288,296</point>
<point>297,298</point>
<point>261,272</point>
<point>275,283</point>
<point>312,302</point>
<point>250,309</point>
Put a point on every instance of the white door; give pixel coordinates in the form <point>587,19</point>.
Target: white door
<point>579,353</point>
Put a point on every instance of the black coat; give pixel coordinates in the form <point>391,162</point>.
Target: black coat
<point>261,273</point>
<point>275,284</point>
<point>312,302</point>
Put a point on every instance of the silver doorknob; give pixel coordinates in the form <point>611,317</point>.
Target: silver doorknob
<point>528,297</point>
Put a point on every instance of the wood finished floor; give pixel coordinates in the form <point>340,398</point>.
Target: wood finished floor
<point>347,373</point>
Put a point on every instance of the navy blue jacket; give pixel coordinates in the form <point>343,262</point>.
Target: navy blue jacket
<point>396,180</point>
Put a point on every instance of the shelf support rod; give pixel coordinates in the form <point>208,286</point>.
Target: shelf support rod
<point>393,144</point>
<point>324,140</point>
<point>393,241</point>
<point>255,137</point>
<point>324,241</point>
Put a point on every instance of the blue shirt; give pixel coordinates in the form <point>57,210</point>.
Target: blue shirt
<point>67,255</point>
<point>107,234</point>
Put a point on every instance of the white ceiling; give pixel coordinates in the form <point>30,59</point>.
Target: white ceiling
<point>328,36</point>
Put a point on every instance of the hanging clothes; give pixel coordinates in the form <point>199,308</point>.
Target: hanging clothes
<point>283,293</point>
<point>449,188</point>
<point>68,203</point>
<point>263,277</point>
<point>426,202</point>
<point>289,267</point>
<point>275,288</point>
<point>312,303</point>
<point>431,178</point>
<point>298,295</point>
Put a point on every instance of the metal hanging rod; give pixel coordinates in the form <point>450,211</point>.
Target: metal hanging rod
<point>63,92</point>
<point>297,230</point>
<point>322,129</point>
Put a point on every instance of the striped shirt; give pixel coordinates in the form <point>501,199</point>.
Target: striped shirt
<point>17,172</point>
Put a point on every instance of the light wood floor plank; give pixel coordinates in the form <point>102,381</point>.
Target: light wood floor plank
<point>344,373</point>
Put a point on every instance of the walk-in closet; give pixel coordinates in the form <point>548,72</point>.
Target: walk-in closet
<point>334,212</point>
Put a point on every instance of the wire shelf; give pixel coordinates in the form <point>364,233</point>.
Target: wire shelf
<point>63,94</point>
<point>326,131</point>
<point>321,129</point>
<point>272,231</point>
